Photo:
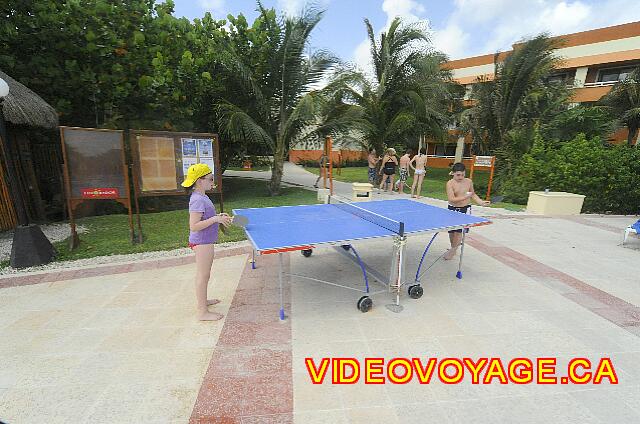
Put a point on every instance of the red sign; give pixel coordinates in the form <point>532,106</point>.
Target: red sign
<point>100,193</point>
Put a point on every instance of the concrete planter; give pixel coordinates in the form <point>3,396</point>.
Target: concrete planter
<point>554,203</point>
<point>323,195</point>
<point>361,192</point>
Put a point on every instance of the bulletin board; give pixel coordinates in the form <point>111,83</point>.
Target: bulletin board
<point>94,168</point>
<point>161,160</point>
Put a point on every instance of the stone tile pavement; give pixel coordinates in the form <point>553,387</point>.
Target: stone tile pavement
<point>121,344</point>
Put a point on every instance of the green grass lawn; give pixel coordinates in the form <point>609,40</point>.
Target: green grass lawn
<point>433,184</point>
<point>109,234</point>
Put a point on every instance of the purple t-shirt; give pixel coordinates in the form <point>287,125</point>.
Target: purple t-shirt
<point>201,203</point>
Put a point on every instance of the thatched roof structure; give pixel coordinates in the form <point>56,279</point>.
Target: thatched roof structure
<point>24,107</point>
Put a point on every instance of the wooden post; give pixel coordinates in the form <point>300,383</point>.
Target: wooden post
<point>493,163</point>
<point>73,240</point>
<point>473,164</point>
<point>323,172</point>
<point>330,167</point>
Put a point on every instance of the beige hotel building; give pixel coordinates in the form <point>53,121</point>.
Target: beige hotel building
<point>592,62</point>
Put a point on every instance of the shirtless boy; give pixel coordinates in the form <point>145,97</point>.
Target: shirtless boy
<point>373,161</point>
<point>460,193</point>
<point>404,170</point>
<point>418,176</point>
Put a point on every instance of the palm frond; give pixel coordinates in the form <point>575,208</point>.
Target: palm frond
<point>240,126</point>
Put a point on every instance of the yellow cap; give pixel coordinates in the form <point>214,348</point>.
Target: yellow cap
<point>196,171</point>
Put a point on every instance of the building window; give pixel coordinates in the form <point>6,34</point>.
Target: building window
<point>557,78</point>
<point>445,150</point>
<point>614,74</point>
<point>467,150</point>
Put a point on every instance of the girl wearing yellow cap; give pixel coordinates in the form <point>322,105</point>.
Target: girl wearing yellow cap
<point>203,233</point>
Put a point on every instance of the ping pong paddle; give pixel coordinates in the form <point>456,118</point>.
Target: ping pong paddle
<point>238,220</point>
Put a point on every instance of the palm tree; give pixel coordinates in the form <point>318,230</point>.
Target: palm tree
<point>408,93</point>
<point>518,98</point>
<point>275,103</point>
<point>624,102</point>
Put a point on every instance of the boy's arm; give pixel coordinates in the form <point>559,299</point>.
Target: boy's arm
<point>476,198</point>
<point>451,196</point>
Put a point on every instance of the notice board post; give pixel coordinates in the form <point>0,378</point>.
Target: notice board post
<point>94,168</point>
<point>484,162</point>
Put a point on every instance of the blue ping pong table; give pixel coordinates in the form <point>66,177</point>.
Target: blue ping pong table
<point>303,228</point>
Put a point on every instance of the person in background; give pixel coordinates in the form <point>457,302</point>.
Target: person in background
<point>388,168</point>
<point>323,162</point>
<point>373,159</point>
<point>404,170</point>
<point>419,172</point>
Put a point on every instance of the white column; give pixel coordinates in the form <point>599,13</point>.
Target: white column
<point>581,76</point>
<point>459,149</point>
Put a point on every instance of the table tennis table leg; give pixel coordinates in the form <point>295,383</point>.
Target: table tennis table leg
<point>459,273</point>
<point>253,258</point>
<point>280,273</point>
<point>424,254</point>
<point>397,266</point>
<point>362,267</point>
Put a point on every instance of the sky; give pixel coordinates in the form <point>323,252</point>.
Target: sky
<point>459,28</point>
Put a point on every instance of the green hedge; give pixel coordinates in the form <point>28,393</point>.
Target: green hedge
<point>609,176</point>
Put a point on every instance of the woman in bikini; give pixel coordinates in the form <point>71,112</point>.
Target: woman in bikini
<point>389,164</point>
<point>419,171</point>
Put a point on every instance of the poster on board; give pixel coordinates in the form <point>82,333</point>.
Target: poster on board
<point>205,148</point>
<point>186,163</point>
<point>189,148</point>
<point>209,161</point>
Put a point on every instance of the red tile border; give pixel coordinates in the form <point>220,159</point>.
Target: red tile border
<point>586,221</point>
<point>120,268</point>
<point>578,219</point>
<point>606,305</point>
<point>249,379</point>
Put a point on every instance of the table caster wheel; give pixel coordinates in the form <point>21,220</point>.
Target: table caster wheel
<point>365,304</point>
<point>415,291</point>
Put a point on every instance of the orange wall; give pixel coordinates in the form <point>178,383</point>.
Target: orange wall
<point>296,156</point>
<point>440,162</point>
<point>620,137</point>
<point>589,94</point>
